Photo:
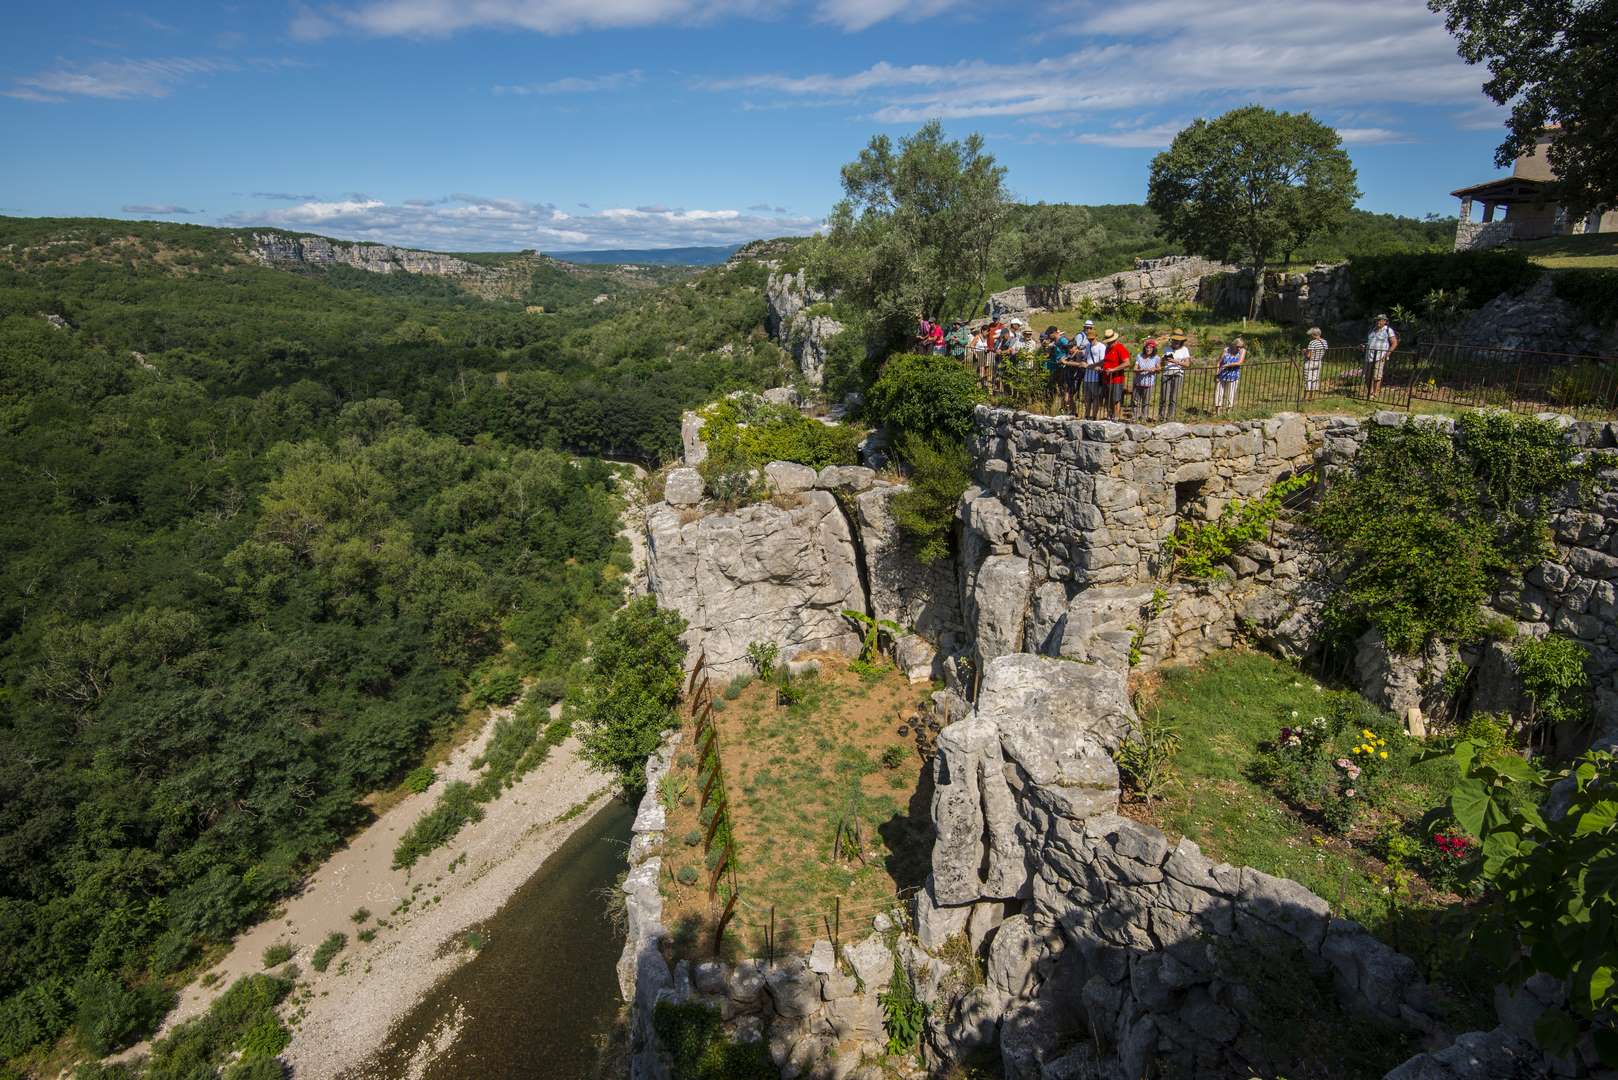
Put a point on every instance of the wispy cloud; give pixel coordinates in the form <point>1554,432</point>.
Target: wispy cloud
<point>118,79</point>
<point>466,222</point>
<point>864,14</point>
<point>592,84</point>
<point>1144,59</point>
<point>128,78</point>
<point>283,196</point>
<point>160,209</point>
<point>1369,135</point>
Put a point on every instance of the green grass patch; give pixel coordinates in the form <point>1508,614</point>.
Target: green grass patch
<point>278,954</point>
<point>327,950</point>
<point>1594,251</point>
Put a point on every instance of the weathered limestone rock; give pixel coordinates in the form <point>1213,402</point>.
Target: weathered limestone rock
<point>789,478</point>
<point>976,853</point>
<point>1044,706</point>
<point>1398,682</point>
<point>999,603</point>
<point>683,487</point>
<point>871,961</point>
<point>761,573</point>
<point>849,478</point>
<point>694,449</point>
<point>915,657</point>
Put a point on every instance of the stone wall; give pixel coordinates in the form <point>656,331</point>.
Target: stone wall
<point>1174,279</point>
<point>1107,951</point>
<point>1482,235</point>
<point>1535,320</point>
<point>1321,296</point>
<point>1063,537</point>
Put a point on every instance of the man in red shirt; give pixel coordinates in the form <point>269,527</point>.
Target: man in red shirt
<point>1114,369</point>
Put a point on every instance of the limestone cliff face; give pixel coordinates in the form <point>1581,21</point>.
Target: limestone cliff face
<point>282,249</point>
<point>807,337</point>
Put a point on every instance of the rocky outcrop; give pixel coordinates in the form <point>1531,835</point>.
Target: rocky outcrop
<point>924,597</point>
<point>777,572</point>
<point>1321,296</point>
<point>1536,321</point>
<point>806,336</point>
<point>1172,279</point>
<point>287,249</point>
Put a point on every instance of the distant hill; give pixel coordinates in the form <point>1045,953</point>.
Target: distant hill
<point>684,256</point>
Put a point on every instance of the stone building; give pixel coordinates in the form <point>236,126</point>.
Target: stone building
<point>1527,199</point>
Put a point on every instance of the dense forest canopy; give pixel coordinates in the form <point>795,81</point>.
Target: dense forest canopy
<point>263,526</point>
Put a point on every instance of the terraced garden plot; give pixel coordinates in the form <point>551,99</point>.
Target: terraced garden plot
<point>829,802</point>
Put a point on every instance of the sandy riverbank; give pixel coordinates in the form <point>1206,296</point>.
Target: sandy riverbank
<point>349,1009</point>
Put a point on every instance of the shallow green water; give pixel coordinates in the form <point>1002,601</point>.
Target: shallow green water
<point>543,992</point>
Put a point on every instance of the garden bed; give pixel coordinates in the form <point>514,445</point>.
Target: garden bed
<point>829,810</point>
<point>1256,781</point>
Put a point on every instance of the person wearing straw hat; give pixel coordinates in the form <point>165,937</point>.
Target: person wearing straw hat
<point>1115,367</point>
<point>1379,345</point>
<point>1228,374</point>
<point>1175,361</point>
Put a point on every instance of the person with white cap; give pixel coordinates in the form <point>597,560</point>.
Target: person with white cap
<point>1379,345</point>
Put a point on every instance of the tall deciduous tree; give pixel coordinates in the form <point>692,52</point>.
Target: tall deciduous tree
<point>915,228</point>
<point>1053,238</point>
<point>1252,184</point>
<point>1553,62</point>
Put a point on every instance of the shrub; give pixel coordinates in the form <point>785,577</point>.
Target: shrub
<point>762,655</point>
<point>278,954</point>
<point>1552,670</point>
<point>360,915</point>
<point>928,396</point>
<point>111,1015</point>
<point>629,693</point>
<point>1200,548</point>
<point>748,432</point>
<point>1552,899</point>
<point>35,1014</point>
<point>455,807</point>
<point>1593,292</point>
<point>499,686</point>
<point>1488,732</point>
<point>327,950</point>
<point>1145,760</point>
<point>894,756</point>
<point>734,688</point>
<point>1422,522</point>
<point>904,1016</point>
<point>695,1039</point>
<point>419,779</point>
<point>687,875</point>
<point>241,1019</point>
<point>940,470</point>
<point>1383,281</point>
<point>692,837</point>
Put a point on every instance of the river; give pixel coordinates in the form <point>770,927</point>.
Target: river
<point>541,993</point>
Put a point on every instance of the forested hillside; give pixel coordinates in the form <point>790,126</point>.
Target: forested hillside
<point>263,529</point>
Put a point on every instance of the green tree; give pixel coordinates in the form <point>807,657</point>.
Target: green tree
<point>1251,185</point>
<point>1553,63</point>
<point>630,693</point>
<point>929,396</point>
<point>915,229</point>
<point>1053,238</point>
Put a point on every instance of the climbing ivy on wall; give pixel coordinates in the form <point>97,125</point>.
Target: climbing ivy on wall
<point>1422,524</point>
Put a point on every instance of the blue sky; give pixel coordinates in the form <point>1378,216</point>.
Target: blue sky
<point>557,124</point>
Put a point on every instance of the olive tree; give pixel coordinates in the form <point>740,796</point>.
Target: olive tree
<point>1053,237</point>
<point>1252,184</point>
<point>1553,63</point>
<point>915,229</point>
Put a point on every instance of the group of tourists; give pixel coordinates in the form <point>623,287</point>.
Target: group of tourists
<point>1098,369</point>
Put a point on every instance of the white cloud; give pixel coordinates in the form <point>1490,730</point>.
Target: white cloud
<point>618,80</point>
<point>427,18</point>
<point>1366,136</point>
<point>159,209</point>
<point>1195,56</point>
<point>115,79</point>
<point>466,222</point>
<point>863,14</point>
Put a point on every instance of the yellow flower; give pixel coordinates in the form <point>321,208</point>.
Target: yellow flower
<point>1382,742</point>
<point>1383,754</point>
<point>1366,732</point>
<point>1357,749</point>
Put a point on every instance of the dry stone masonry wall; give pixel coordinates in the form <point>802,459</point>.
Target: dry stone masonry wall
<point>1106,951</point>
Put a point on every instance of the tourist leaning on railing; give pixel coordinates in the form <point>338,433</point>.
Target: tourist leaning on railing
<point>1147,365</point>
<point>1175,363</point>
<point>1314,354</point>
<point>1229,373</point>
